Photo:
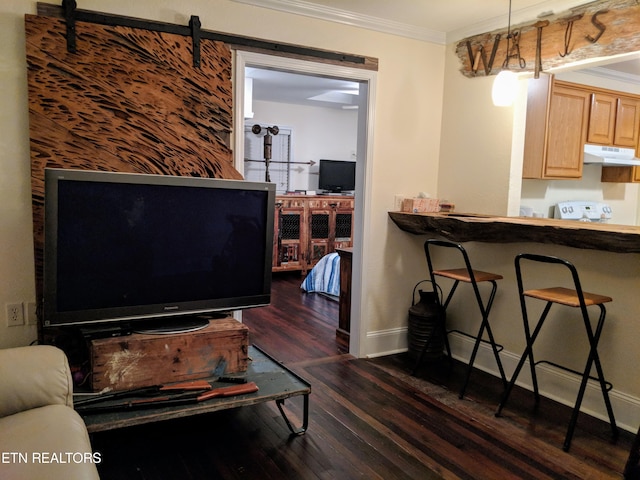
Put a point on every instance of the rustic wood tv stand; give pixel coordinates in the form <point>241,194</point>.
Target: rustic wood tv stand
<point>274,380</point>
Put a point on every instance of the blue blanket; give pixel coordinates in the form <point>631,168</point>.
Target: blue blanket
<point>324,277</point>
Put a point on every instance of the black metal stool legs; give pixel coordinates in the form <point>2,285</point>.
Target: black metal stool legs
<point>528,353</point>
<point>593,358</point>
<point>484,325</point>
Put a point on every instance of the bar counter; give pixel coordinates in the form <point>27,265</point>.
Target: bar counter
<point>467,227</point>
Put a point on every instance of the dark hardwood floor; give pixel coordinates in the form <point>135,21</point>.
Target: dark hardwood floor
<point>369,419</point>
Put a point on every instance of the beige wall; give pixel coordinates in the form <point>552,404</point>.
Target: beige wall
<point>408,110</point>
<point>476,144</point>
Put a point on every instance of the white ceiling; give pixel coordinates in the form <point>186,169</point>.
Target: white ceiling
<point>439,21</point>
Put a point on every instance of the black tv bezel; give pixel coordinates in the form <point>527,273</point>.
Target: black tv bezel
<point>52,317</point>
<point>338,188</point>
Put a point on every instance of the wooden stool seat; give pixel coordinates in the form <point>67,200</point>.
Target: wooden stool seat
<point>567,296</point>
<point>462,275</point>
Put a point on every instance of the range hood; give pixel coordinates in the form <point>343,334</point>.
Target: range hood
<point>610,156</point>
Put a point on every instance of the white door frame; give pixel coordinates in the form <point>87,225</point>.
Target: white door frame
<point>362,236</point>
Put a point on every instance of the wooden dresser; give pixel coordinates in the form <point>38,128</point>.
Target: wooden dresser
<point>307,227</point>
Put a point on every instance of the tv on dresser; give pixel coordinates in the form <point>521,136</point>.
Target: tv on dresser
<point>124,248</point>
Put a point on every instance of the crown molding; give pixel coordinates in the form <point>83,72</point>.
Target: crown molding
<point>611,74</point>
<point>524,15</point>
<point>321,12</point>
<point>345,17</point>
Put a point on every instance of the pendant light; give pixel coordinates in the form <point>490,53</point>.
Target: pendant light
<point>505,84</point>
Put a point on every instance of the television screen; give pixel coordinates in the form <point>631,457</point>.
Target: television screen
<point>130,246</point>
<point>337,176</point>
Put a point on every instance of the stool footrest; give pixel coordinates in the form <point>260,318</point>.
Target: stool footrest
<point>499,347</point>
<point>608,385</point>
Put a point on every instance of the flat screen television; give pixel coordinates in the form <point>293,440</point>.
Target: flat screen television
<point>125,247</point>
<point>337,176</point>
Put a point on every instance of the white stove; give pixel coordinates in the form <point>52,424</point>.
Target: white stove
<point>585,211</point>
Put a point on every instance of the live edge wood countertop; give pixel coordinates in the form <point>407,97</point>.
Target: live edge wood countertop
<point>469,227</point>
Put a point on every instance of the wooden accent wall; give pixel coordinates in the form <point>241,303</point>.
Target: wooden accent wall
<point>129,100</point>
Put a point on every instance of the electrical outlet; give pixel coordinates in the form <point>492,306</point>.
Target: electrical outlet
<point>15,314</point>
<point>31,314</point>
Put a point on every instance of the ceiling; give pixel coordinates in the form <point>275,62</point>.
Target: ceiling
<point>439,21</point>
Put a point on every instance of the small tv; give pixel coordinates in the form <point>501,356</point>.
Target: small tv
<point>123,247</point>
<point>337,176</point>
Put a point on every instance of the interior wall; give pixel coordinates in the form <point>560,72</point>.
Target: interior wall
<point>317,132</point>
<point>406,145</point>
<point>476,144</point>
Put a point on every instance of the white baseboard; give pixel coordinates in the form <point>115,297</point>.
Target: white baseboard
<point>553,382</point>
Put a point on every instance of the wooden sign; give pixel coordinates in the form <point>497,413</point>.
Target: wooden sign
<point>597,29</point>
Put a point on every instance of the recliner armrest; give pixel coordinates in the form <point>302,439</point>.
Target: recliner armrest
<point>32,377</point>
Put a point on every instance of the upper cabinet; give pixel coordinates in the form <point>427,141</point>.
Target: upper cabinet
<point>556,129</point>
<point>614,120</point>
<point>602,120</point>
<point>623,131</point>
<point>563,116</point>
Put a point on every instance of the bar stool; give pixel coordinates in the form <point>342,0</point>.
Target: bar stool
<point>575,298</point>
<point>473,277</point>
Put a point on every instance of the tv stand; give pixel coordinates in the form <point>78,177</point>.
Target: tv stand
<point>117,329</point>
<point>141,360</point>
<point>275,382</point>
<point>337,194</point>
<point>173,325</point>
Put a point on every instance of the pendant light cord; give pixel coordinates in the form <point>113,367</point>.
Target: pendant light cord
<point>506,58</point>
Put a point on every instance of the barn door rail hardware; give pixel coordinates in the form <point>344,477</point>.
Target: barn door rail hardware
<point>72,15</point>
<point>194,25</point>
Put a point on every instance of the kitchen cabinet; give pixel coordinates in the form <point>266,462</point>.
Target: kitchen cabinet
<point>614,120</point>
<point>617,122</point>
<point>620,174</point>
<point>556,129</point>
<point>308,227</point>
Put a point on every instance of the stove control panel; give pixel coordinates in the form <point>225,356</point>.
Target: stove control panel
<point>585,211</point>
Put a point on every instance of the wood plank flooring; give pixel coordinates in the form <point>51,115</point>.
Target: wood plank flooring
<point>369,419</point>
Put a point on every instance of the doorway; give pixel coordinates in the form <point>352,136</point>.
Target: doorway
<point>366,81</point>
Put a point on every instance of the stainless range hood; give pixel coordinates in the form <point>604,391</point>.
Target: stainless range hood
<point>610,156</point>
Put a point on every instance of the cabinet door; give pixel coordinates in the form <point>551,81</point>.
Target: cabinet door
<point>627,122</point>
<point>321,221</point>
<point>566,132</point>
<point>602,119</point>
<point>290,233</point>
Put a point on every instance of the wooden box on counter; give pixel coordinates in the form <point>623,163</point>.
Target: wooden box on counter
<point>139,360</point>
